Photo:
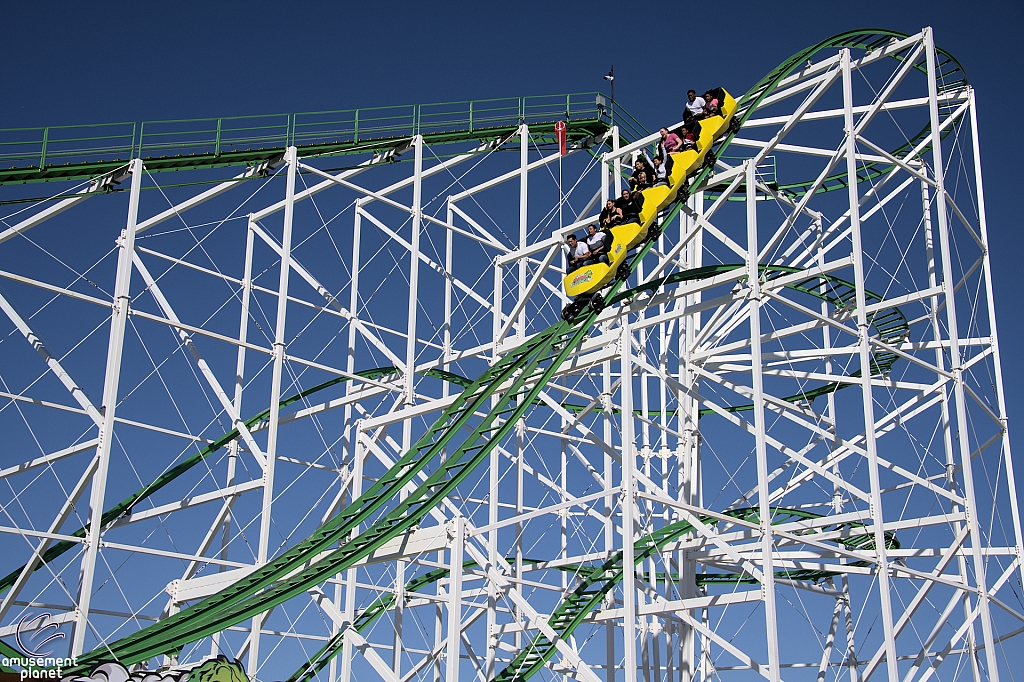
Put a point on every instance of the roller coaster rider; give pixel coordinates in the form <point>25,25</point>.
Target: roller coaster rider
<point>598,242</point>
<point>611,215</point>
<point>578,253</point>
<point>630,205</point>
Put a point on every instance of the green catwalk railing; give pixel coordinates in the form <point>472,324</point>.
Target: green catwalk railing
<point>514,384</point>
<point>80,152</point>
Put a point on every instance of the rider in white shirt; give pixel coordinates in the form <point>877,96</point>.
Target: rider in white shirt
<point>695,105</point>
<point>578,252</point>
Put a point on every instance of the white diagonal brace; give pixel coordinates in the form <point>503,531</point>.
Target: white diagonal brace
<point>62,205</point>
<point>69,383</point>
<point>186,339</point>
<point>423,257</point>
<point>46,459</point>
<point>37,554</point>
<point>302,272</point>
<point>178,209</point>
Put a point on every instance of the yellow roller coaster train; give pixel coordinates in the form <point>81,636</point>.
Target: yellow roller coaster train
<point>586,281</point>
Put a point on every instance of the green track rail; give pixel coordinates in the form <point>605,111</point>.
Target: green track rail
<point>890,324</point>
<point>504,393</point>
<point>125,506</point>
<point>950,75</point>
<point>513,383</point>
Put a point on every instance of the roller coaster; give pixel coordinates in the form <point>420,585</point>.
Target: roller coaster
<point>768,435</point>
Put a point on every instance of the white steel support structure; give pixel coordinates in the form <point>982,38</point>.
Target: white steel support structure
<point>111,379</point>
<point>813,404</point>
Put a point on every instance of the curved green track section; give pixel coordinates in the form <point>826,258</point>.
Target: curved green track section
<point>890,325</point>
<point>950,75</point>
<point>504,393</point>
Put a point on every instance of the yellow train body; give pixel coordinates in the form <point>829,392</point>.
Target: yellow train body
<point>592,278</point>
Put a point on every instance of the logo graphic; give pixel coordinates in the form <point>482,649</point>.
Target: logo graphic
<point>583,278</point>
<point>31,634</point>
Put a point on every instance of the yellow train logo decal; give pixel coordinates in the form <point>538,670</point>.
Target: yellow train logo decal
<point>583,277</point>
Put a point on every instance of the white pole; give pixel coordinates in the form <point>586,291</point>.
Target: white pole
<point>609,529</point>
<point>760,445</point>
<point>453,646</point>
<point>628,500</point>
<point>524,219</point>
<point>112,376</point>
<point>350,452</point>
<point>956,357</point>
<point>351,575</point>
<point>865,375</point>
<point>291,158</point>
<point>414,272</point>
<point>243,332</point>
<point>997,365</point>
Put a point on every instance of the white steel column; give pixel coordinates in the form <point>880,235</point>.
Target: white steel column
<point>414,272</point>
<point>851,645</point>
<point>454,644</point>
<point>688,448</point>
<point>628,501</point>
<point>948,282</point>
<point>760,445</point>
<point>291,158</point>
<point>410,379</point>
<point>865,374</point>
<point>352,574</point>
<point>946,423</point>
<point>352,452</point>
<point>243,333</point>
<point>997,364</point>
<point>607,471</point>
<point>616,164</point>
<point>524,220</point>
<point>112,376</point>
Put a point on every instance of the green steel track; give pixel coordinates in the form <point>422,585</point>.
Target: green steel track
<point>890,325</point>
<point>950,77</point>
<point>504,393</point>
<point>125,506</point>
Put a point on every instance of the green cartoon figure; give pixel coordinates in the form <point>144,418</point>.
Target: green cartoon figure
<point>219,669</point>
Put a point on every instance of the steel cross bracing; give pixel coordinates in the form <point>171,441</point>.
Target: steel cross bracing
<point>807,464</point>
